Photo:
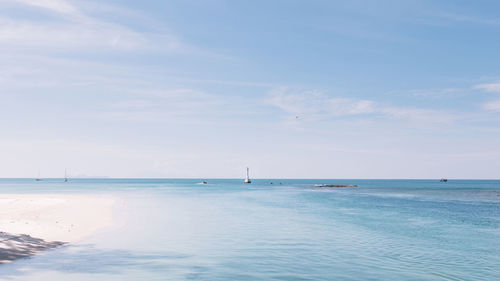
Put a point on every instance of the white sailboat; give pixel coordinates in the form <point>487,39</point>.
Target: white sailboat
<point>38,178</point>
<point>65,176</point>
<point>247,179</point>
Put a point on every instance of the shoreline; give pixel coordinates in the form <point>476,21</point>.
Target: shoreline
<point>32,223</point>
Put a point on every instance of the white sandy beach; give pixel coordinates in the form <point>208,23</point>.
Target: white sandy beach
<point>49,218</point>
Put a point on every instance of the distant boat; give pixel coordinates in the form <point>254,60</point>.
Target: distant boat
<point>443,180</point>
<point>247,179</point>
<point>204,182</point>
<point>65,176</point>
<point>38,178</point>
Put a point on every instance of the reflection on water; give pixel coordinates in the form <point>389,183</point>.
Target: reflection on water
<point>180,230</point>
<point>86,258</point>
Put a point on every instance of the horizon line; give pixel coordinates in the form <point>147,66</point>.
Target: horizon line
<point>160,178</point>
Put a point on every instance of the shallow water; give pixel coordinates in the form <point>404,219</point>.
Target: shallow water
<point>178,229</point>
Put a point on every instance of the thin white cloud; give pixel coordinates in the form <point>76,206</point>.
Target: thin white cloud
<point>489,87</point>
<point>79,31</point>
<point>59,6</point>
<point>172,93</point>
<point>416,114</point>
<point>75,36</point>
<point>447,18</point>
<point>133,104</point>
<point>435,92</point>
<point>493,105</point>
<point>182,105</point>
<point>315,105</point>
<point>470,19</point>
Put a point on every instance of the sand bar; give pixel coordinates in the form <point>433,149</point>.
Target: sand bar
<point>30,223</point>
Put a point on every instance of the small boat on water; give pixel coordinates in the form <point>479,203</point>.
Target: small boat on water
<point>38,178</point>
<point>443,180</point>
<point>247,179</point>
<point>204,182</point>
<point>65,176</point>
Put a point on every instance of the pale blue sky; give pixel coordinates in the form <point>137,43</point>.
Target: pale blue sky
<point>292,89</point>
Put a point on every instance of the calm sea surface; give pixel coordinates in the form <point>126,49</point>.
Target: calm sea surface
<point>179,229</point>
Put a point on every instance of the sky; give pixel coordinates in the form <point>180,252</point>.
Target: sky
<point>291,89</point>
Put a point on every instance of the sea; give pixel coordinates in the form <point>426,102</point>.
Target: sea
<point>277,229</point>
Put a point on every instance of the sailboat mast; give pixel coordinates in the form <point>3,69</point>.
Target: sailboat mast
<point>247,179</point>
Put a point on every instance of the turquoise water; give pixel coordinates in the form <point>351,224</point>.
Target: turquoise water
<point>178,229</point>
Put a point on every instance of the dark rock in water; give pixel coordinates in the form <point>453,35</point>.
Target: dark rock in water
<point>335,185</point>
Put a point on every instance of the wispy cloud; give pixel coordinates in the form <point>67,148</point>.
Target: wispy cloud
<point>81,36</point>
<point>185,93</point>
<point>433,93</point>
<point>133,104</point>
<point>158,105</point>
<point>468,18</point>
<point>419,115</point>
<point>316,105</point>
<point>78,30</point>
<point>493,105</point>
<point>490,87</point>
<point>59,6</point>
<point>448,18</point>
